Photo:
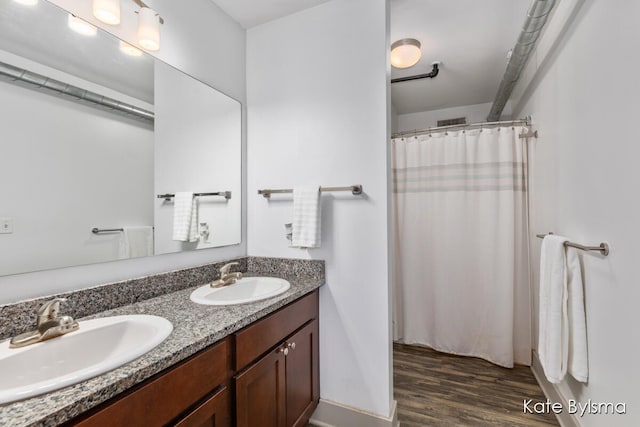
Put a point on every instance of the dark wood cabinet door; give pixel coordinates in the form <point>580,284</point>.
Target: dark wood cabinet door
<point>260,393</point>
<point>303,389</point>
<point>213,412</point>
<point>158,401</point>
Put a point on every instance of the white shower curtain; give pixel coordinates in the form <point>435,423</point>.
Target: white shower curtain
<point>461,243</point>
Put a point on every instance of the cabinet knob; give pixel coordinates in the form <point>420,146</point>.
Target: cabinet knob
<point>292,345</point>
<point>285,350</point>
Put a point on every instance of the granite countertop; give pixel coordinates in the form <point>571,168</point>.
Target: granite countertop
<point>195,327</point>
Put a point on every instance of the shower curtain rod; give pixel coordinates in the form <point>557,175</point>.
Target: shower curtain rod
<point>525,122</point>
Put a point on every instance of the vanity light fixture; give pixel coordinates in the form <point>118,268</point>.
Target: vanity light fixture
<point>127,49</point>
<point>405,53</point>
<point>27,2</point>
<point>107,11</point>
<point>149,28</point>
<point>81,26</point>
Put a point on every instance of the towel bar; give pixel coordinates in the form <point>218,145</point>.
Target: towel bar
<point>355,190</point>
<point>96,230</point>
<point>226,194</point>
<point>603,248</point>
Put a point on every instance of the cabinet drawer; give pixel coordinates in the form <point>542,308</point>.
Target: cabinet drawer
<point>158,401</point>
<point>214,412</point>
<point>259,337</point>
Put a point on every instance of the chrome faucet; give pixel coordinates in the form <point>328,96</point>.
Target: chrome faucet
<point>227,278</point>
<point>49,325</point>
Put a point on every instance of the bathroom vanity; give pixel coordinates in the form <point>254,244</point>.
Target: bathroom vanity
<point>245,365</point>
<point>270,367</point>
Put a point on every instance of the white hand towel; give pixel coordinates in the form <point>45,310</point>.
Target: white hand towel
<point>578,365</point>
<point>185,217</point>
<point>553,334</point>
<point>136,242</point>
<point>306,217</point>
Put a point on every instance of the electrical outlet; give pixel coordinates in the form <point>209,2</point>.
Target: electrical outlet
<point>6,225</point>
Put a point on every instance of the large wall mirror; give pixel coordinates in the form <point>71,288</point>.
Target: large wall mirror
<point>101,145</point>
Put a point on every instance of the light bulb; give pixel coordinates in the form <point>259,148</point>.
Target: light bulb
<point>148,29</point>
<point>127,49</point>
<point>107,11</point>
<point>80,26</point>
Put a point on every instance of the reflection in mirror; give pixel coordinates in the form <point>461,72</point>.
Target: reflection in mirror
<point>90,135</point>
<point>189,121</point>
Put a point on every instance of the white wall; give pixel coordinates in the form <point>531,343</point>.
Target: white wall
<point>197,130</point>
<point>425,119</point>
<point>318,115</point>
<point>47,141</point>
<point>194,39</point>
<point>393,113</point>
<point>585,177</point>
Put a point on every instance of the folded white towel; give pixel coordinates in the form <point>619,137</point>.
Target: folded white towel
<point>562,335</point>
<point>578,365</point>
<point>136,242</point>
<point>553,334</point>
<point>185,217</point>
<point>306,217</point>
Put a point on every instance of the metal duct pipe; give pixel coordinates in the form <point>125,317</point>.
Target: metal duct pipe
<point>40,81</point>
<point>533,25</point>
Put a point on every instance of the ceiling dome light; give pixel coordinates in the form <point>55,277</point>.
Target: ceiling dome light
<point>149,29</point>
<point>107,11</point>
<point>127,49</point>
<point>405,53</point>
<point>81,27</point>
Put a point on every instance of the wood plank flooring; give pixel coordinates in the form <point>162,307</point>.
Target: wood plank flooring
<point>438,389</point>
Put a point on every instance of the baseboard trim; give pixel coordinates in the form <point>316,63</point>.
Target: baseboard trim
<point>334,414</point>
<point>552,393</point>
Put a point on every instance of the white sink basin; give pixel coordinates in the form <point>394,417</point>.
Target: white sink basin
<point>247,289</point>
<point>100,345</point>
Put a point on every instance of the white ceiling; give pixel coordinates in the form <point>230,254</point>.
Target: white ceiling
<point>470,37</point>
<point>250,13</point>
